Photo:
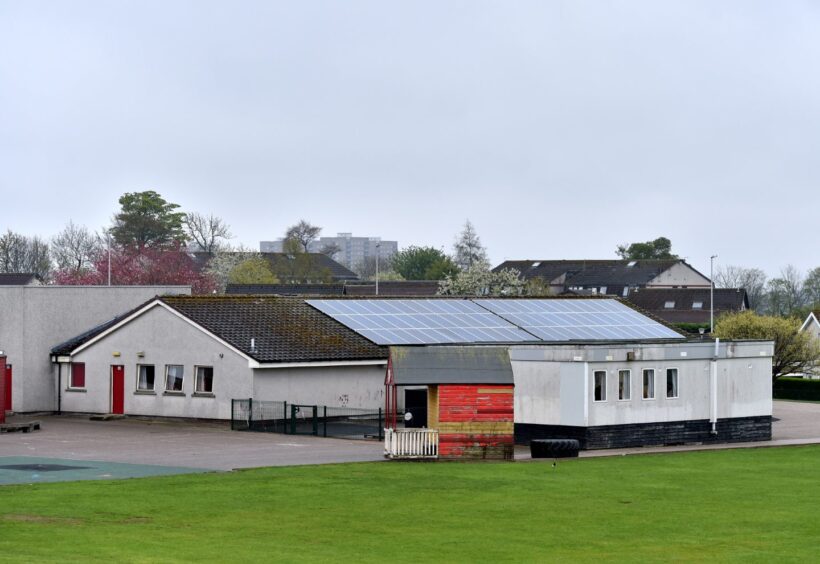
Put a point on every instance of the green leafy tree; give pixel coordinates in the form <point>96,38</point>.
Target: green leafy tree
<point>146,220</point>
<point>660,248</point>
<point>795,351</point>
<point>252,271</point>
<point>481,281</point>
<point>422,263</point>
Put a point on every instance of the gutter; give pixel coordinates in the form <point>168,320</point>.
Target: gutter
<point>257,364</point>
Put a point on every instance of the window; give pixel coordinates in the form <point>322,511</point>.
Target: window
<point>697,305</point>
<point>669,305</point>
<point>671,382</point>
<point>600,385</point>
<point>624,384</point>
<point>77,375</point>
<point>625,293</point>
<point>603,289</point>
<point>204,380</point>
<point>174,374</point>
<point>145,378</point>
<point>649,383</point>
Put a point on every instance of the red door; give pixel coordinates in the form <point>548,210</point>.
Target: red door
<point>117,389</point>
<point>7,402</point>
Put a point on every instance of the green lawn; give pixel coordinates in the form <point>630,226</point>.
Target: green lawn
<point>742,505</point>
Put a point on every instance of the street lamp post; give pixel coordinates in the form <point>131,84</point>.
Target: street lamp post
<point>378,250</point>
<point>712,293</point>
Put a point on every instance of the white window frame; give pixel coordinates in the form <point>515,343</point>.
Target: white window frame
<point>669,304</point>
<point>167,389</point>
<point>146,390</point>
<point>666,382</point>
<point>628,388</point>
<point>654,383</point>
<point>603,388</point>
<point>196,380</point>
<point>697,305</point>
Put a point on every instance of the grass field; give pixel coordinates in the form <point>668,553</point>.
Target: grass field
<point>744,505</point>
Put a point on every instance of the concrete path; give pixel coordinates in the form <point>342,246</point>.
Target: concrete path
<point>36,470</point>
<point>200,445</point>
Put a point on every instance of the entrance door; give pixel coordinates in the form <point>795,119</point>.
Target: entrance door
<point>7,399</point>
<point>117,389</point>
<point>415,403</point>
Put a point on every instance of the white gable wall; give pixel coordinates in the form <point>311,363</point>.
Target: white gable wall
<point>678,275</point>
<point>164,338</point>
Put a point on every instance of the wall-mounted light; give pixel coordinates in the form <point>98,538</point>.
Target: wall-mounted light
<point>141,354</point>
<point>115,354</point>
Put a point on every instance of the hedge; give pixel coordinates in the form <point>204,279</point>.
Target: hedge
<point>797,389</point>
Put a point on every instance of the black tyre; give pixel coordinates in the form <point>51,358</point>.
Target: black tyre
<point>554,448</point>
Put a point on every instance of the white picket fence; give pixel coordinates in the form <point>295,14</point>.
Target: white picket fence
<point>411,443</point>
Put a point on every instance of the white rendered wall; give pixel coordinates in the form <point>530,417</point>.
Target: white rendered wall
<point>33,319</point>
<point>338,386</point>
<point>164,339</point>
<point>678,275</point>
<point>554,384</point>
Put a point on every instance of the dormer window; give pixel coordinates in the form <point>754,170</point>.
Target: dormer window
<point>536,264</point>
<point>697,305</point>
<point>669,305</point>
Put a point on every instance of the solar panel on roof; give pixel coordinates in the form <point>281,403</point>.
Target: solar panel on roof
<point>583,320</point>
<point>412,322</point>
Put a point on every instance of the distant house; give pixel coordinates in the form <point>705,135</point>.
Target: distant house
<point>20,279</point>
<point>812,323</point>
<point>613,277</point>
<point>689,305</point>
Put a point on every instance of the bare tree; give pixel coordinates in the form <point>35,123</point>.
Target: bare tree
<point>753,280</point>
<point>331,250</point>
<point>303,232</point>
<point>469,251</point>
<point>19,253</point>
<point>785,293</point>
<point>208,232</point>
<point>75,248</point>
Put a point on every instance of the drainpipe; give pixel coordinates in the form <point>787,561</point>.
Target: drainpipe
<point>714,393</point>
<point>59,387</point>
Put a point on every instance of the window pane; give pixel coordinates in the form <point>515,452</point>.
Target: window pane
<point>146,377</point>
<point>624,385</point>
<point>672,382</point>
<point>600,386</point>
<point>204,379</point>
<point>649,384</point>
<point>77,375</point>
<point>173,377</point>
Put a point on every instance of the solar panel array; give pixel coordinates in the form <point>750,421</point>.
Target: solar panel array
<point>442,321</point>
<point>582,320</point>
<point>412,322</point>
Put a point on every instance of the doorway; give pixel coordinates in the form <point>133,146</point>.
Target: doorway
<point>415,403</point>
<point>117,388</point>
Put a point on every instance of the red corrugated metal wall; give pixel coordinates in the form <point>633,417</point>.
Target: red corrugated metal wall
<point>475,421</point>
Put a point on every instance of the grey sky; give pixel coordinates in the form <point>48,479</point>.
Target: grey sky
<point>559,128</point>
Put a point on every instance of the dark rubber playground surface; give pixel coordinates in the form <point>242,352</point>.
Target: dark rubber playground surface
<point>34,470</point>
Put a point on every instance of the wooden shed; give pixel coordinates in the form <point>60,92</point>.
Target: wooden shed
<point>469,400</point>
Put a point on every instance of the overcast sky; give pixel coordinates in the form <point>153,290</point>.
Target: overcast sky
<point>561,129</point>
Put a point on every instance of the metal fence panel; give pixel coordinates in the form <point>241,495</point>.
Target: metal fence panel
<point>300,419</point>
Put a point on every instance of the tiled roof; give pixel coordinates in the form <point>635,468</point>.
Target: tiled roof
<point>682,300</point>
<point>287,289</point>
<point>284,329</point>
<point>584,273</point>
<point>18,279</point>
